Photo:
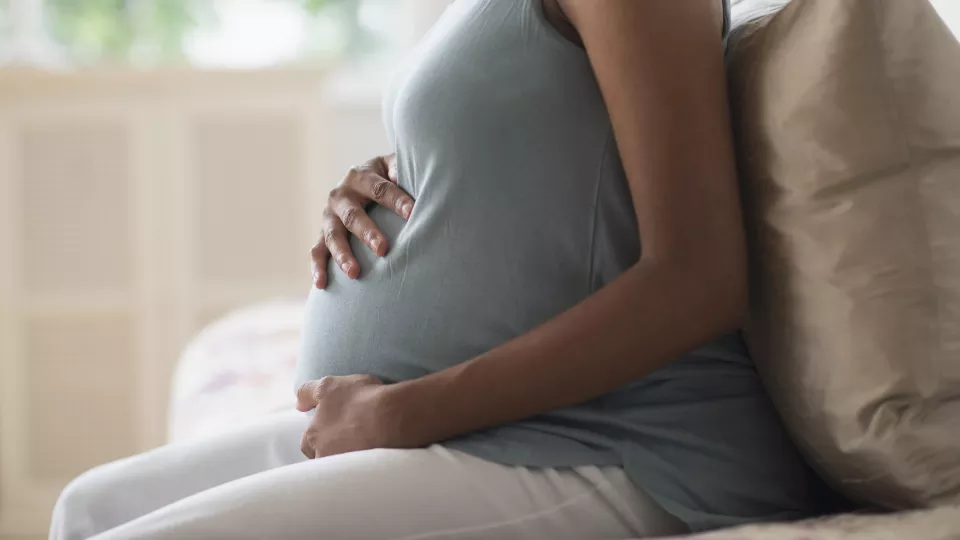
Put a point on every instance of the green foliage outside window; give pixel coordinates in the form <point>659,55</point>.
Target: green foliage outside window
<point>155,30</point>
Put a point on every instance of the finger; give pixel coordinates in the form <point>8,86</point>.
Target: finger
<point>321,257</point>
<point>363,379</point>
<point>306,446</point>
<point>356,220</point>
<point>387,194</point>
<point>310,392</point>
<point>307,396</point>
<point>335,237</point>
<point>371,185</point>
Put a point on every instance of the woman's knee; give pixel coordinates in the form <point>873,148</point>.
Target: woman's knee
<point>83,506</point>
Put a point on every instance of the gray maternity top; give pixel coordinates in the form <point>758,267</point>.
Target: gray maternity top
<point>522,211</point>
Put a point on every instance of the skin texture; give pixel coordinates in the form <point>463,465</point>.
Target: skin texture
<point>659,64</point>
<point>373,182</point>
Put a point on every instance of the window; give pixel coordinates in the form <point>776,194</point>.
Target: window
<point>4,27</point>
<point>201,33</point>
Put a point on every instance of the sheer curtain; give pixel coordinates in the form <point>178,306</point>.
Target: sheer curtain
<point>23,37</point>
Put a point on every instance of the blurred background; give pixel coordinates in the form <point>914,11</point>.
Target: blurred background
<point>163,164</point>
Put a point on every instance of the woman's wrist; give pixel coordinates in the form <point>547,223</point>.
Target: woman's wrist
<point>434,408</point>
<point>405,416</point>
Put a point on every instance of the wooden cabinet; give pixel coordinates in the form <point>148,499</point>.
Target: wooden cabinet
<point>134,209</point>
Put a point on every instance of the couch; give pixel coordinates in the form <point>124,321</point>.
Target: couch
<point>241,367</point>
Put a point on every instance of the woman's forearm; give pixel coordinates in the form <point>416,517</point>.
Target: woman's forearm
<point>640,322</point>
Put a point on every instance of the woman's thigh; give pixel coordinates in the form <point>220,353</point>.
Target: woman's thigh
<point>405,494</point>
<point>113,494</point>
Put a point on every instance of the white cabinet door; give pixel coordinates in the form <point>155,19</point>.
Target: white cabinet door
<point>134,209</point>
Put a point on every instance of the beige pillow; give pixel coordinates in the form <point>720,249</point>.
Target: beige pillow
<point>848,125</point>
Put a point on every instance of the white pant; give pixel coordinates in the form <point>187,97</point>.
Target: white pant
<point>254,483</point>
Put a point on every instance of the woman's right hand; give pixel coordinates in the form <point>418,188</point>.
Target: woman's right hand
<point>373,182</point>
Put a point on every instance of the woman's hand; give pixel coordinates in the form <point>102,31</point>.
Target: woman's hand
<point>350,416</point>
<point>373,182</point>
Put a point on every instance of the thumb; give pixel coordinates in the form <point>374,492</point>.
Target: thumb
<point>307,396</point>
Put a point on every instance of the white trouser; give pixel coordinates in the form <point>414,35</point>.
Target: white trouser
<point>254,483</point>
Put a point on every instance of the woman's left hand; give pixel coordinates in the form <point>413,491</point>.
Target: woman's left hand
<point>349,416</point>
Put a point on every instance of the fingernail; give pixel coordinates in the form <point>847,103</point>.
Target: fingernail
<point>347,267</point>
<point>407,210</point>
<point>375,244</point>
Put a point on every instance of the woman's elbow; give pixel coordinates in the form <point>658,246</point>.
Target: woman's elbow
<point>734,298</point>
<point>714,289</point>
<point>727,290</point>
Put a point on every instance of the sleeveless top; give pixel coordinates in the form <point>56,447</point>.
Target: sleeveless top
<point>523,210</point>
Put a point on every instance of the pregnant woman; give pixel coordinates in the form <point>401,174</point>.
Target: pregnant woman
<point>499,355</point>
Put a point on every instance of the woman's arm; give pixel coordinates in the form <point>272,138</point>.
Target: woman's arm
<point>660,67</point>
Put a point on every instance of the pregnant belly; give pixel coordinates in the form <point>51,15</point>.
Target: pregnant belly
<point>444,294</point>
